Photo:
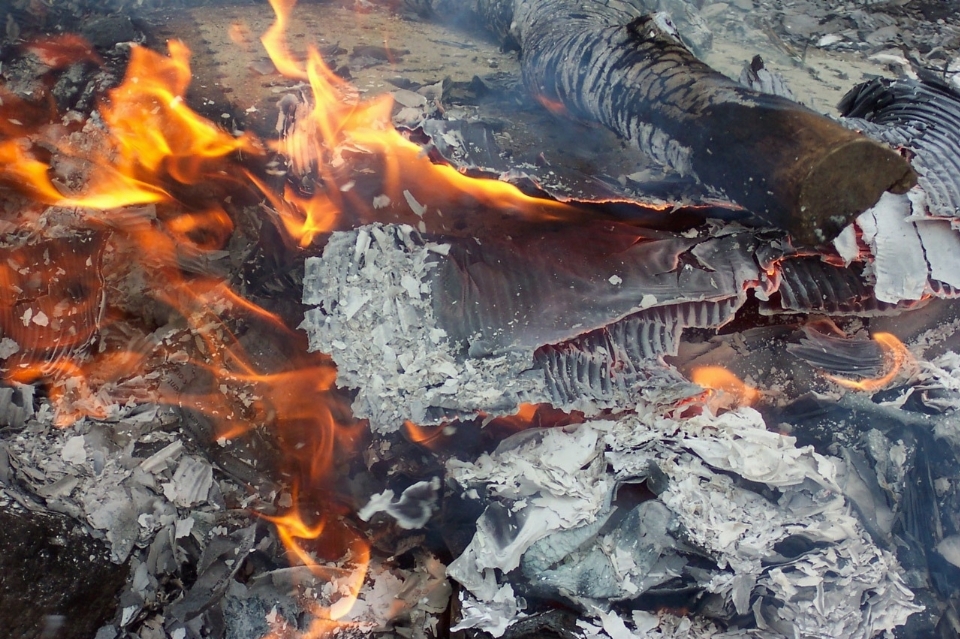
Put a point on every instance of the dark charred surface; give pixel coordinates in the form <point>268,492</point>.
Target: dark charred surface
<point>276,283</point>
<point>796,169</point>
<point>605,61</point>
<point>921,117</point>
<point>863,433</point>
<point>57,581</point>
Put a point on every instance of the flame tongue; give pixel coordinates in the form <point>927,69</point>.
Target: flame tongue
<point>895,354</point>
<point>729,391</point>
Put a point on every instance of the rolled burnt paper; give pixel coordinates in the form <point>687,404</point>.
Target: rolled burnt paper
<point>609,61</point>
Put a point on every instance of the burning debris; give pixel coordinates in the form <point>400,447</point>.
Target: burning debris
<point>527,458</point>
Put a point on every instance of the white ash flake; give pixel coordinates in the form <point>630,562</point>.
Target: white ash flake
<point>415,206</point>
<point>410,599</point>
<point>73,451</point>
<point>375,282</point>
<point>8,348</point>
<point>844,586</point>
<point>412,510</point>
<point>191,482</point>
<point>89,472</point>
<point>949,549</point>
<point>909,246</point>
<point>610,625</point>
<point>899,266</point>
<point>846,244</point>
<point>183,527</point>
<point>941,243</point>
<point>493,616</point>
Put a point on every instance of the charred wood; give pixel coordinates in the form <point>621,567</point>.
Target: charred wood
<point>810,285</point>
<point>51,314</point>
<point>493,299</point>
<point>613,361</point>
<point>468,325</point>
<point>892,456</point>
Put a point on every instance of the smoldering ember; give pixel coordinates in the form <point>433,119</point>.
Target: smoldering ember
<point>471,318</point>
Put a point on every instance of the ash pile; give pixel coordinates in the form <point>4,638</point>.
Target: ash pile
<point>534,459</point>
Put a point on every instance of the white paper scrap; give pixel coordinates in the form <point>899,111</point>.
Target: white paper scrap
<point>899,265</point>
<point>74,451</point>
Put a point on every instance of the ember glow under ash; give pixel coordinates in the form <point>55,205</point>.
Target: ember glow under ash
<point>732,391</point>
<point>895,354</point>
<point>146,179</point>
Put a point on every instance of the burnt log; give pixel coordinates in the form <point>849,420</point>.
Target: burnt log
<point>609,61</point>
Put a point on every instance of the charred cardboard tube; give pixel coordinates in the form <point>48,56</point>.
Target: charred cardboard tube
<point>607,61</point>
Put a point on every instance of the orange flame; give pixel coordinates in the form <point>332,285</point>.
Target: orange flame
<point>726,387</point>
<point>151,149</point>
<point>154,128</point>
<point>275,42</point>
<point>153,136</point>
<point>429,437</point>
<point>346,573</point>
<point>329,121</point>
<point>553,106</point>
<point>895,354</point>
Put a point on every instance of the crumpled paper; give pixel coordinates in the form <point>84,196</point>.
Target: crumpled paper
<point>769,516</point>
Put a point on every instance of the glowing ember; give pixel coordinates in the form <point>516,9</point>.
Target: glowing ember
<point>153,146</point>
<point>728,390</point>
<point>133,180</point>
<point>151,150</point>
<point>430,437</point>
<point>895,354</point>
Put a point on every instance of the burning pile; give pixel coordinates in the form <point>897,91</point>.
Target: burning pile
<point>178,418</point>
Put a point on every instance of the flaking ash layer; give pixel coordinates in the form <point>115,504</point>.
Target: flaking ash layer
<point>373,313</point>
<point>457,328</point>
<point>731,500</point>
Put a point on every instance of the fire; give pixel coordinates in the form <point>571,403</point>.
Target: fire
<point>430,437</point>
<point>895,354</point>
<point>330,121</point>
<point>139,190</point>
<point>154,129</point>
<point>553,106</point>
<point>435,438</point>
<point>301,542</point>
<point>63,50</point>
<point>727,389</point>
<point>153,138</point>
<point>274,41</point>
<point>151,150</point>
